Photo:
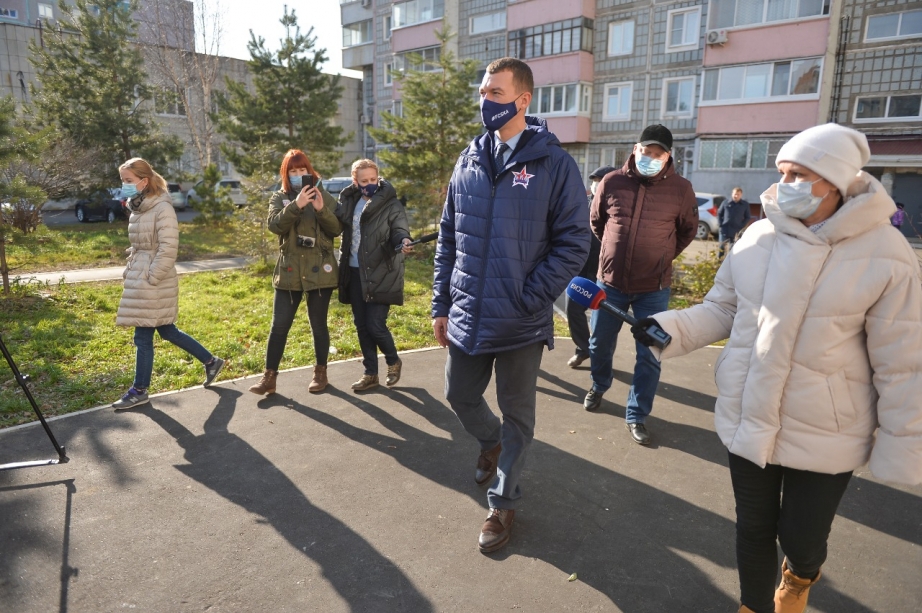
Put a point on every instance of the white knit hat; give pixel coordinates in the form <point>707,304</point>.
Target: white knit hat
<point>834,152</point>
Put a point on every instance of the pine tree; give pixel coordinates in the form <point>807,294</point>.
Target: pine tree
<point>93,85</point>
<point>440,117</point>
<point>291,108</point>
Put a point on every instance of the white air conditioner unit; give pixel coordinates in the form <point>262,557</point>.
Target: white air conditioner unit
<point>717,37</point>
<point>366,2</point>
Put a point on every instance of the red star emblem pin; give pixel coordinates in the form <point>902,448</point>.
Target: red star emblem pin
<point>521,178</point>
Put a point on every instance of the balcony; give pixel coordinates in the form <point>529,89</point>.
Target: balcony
<point>359,56</point>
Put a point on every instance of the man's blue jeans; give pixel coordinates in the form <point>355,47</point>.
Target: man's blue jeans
<point>144,341</point>
<point>605,329</point>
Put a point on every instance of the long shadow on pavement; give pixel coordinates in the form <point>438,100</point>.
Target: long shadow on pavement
<point>232,468</point>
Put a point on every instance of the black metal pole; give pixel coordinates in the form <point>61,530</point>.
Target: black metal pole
<point>21,379</point>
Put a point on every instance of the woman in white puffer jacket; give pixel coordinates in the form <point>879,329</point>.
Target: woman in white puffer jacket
<point>822,305</point>
<point>150,300</point>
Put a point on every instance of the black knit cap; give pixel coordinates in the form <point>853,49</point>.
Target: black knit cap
<point>601,171</point>
<point>657,135</point>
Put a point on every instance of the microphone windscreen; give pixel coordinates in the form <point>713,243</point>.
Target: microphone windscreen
<point>585,293</point>
<point>428,237</point>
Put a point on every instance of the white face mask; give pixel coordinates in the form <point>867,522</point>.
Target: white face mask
<point>797,199</point>
<point>594,185</point>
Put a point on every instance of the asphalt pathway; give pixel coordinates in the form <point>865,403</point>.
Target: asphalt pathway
<point>220,500</point>
<point>114,273</point>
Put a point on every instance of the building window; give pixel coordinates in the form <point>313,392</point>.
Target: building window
<point>617,102</point>
<point>684,27</point>
<point>357,33</point>
<point>894,25</point>
<point>397,108</point>
<point>488,23</point>
<point>621,38</point>
<point>167,101</point>
<point>411,60</point>
<point>11,13</point>
<point>730,13</point>
<point>561,99</point>
<point>388,24</point>
<point>901,107</point>
<point>417,11</point>
<point>552,39</point>
<point>739,154</point>
<point>615,157</point>
<point>762,82</point>
<point>388,73</point>
<point>678,97</point>
<point>45,11</point>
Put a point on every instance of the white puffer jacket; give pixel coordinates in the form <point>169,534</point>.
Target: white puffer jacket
<point>825,341</point>
<point>151,294</point>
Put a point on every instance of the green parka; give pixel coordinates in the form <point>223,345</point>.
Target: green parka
<point>383,227</point>
<point>304,268</point>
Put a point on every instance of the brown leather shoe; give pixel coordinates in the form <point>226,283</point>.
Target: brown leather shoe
<point>266,385</point>
<point>486,465</point>
<point>319,382</point>
<point>393,373</point>
<point>365,383</point>
<point>496,530</point>
<point>791,596</point>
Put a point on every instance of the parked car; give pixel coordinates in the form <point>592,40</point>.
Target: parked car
<point>103,204</point>
<point>707,214</point>
<point>179,199</point>
<point>334,185</point>
<point>233,185</point>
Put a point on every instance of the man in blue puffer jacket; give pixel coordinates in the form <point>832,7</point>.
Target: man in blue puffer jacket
<point>514,231</point>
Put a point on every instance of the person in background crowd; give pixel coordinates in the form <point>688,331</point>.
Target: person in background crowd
<point>822,304</point>
<point>645,215</point>
<point>371,266</point>
<point>301,215</point>
<point>150,299</point>
<point>514,231</point>
<point>733,217</point>
<point>576,314</point>
<point>899,217</point>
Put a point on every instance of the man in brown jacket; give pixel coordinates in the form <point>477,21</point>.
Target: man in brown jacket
<point>645,215</point>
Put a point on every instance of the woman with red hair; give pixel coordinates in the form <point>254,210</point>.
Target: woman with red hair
<point>301,214</point>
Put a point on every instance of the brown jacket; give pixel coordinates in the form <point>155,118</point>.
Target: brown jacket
<point>644,223</point>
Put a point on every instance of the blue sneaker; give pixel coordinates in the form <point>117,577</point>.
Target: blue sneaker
<point>212,370</point>
<point>132,398</point>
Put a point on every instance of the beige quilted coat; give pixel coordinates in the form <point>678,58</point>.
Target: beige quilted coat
<point>151,294</point>
<point>823,368</point>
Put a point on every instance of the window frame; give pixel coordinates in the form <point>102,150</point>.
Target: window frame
<point>371,32</point>
<point>605,96</point>
<point>48,7</point>
<point>582,90</point>
<point>886,118</point>
<point>611,27</point>
<point>387,25</point>
<point>10,13</point>
<point>670,48</point>
<point>541,40</point>
<point>763,99</point>
<point>713,12</point>
<point>395,24</point>
<point>769,155</point>
<point>664,113</point>
<point>867,25</point>
<point>470,25</point>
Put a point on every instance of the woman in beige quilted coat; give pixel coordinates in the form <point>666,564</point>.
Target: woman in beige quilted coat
<point>150,300</point>
<point>822,304</point>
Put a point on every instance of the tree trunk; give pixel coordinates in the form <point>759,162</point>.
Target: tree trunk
<point>4,267</point>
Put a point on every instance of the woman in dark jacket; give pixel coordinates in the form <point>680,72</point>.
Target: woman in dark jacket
<point>301,214</point>
<point>371,265</point>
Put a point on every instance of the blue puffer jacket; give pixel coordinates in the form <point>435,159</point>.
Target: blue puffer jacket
<point>509,243</point>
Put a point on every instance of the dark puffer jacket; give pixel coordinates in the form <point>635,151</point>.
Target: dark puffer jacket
<point>509,243</point>
<point>644,223</point>
<point>383,227</point>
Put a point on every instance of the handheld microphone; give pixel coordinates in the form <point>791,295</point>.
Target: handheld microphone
<point>422,239</point>
<point>587,294</point>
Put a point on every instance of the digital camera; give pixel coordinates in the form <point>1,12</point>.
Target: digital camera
<point>306,241</point>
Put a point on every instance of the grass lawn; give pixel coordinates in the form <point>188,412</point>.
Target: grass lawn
<point>66,339</point>
<point>78,246</point>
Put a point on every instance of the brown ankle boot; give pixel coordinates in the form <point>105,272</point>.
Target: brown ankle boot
<point>319,382</point>
<point>393,373</point>
<point>791,595</point>
<point>266,385</point>
<point>365,383</point>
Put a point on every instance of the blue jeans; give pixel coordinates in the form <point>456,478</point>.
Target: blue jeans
<point>466,379</point>
<point>605,329</point>
<point>144,341</point>
<point>371,327</point>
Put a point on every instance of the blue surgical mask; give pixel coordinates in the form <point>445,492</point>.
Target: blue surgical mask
<point>495,115</point>
<point>129,190</point>
<point>797,199</point>
<point>295,181</point>
<point>369,190</point>
<point>647,166</point>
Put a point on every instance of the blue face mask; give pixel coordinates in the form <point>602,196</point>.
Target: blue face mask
<point>647,166</point>
<point>495,115</point>
<point>369,190</point>
<point>129,190</point>
<point>797,199</point>
<point>295,181</point>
